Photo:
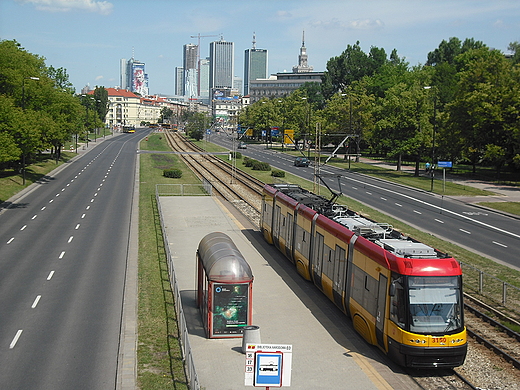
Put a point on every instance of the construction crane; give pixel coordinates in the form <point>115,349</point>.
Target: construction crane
<point>198,36</point>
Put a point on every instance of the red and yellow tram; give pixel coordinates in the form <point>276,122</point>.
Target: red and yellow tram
<point>402,295</point>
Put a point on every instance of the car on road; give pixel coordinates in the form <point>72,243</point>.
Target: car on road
<point>301,162</point>
<point>242,145</point>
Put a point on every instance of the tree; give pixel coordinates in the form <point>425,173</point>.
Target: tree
<point>349,113</point>
<point>313,93</point>
<point>196,124</point>
<point>514,47</point>
<point>166,114</point>
<point>486,107</point>
<point>353,64</point>
<point>16,64</point>
<point>449,50</point>
<point>101,103</point>
<point>496,155</point>
<point>9,150</point>
<point>61,79</point>
<point>403,126</point>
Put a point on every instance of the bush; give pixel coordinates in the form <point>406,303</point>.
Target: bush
<point>278,173</point>
<point>248,162</point>
<point>236,155</point>
<point>173,173</point>
<point>261,166</point>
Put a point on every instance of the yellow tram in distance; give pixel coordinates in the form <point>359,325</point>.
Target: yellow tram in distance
<point>403,296</point>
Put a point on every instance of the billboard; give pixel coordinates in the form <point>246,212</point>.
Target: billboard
<point>139,79</point>
<point>230,308</point>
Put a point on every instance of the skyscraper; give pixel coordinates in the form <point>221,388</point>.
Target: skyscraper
<point>136,78</point>
<point>190,55</point>
<point>122,73</point>
<point>221,63</point>
<point>179,80</point>
<point>204,80</point>
<point>255,65</point>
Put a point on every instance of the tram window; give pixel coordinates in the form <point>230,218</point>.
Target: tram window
<point>435,304</point>
<point>397,305</point>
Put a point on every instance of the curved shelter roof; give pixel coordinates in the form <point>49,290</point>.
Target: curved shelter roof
<point>222,261</point>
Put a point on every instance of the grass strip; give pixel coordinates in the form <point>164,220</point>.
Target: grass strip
<point>11,179</point>
<point>160,363</point>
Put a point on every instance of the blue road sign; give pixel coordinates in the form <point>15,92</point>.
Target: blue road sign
<point>444,164</point>
<point>268,369</point>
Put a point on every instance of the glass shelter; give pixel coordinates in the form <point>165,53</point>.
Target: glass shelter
<point>224,287</point>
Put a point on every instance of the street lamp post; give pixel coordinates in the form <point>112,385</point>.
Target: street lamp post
<point>308,124</point>
<point>283,123</point>
<point>434,131</point>
<point>23,109</point>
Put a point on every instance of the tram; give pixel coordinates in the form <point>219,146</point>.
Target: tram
<point>403,296</point>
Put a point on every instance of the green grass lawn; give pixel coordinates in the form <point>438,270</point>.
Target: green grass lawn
<point>508,207</point>
<point>11,180</point>
<point>160,364</point>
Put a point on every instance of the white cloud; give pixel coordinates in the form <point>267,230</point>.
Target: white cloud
<point>101,7</point>
<point>99,78</point>
<point>283,14</point>
<point>359,24</point>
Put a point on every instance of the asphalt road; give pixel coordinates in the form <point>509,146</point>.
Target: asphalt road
<point>63,253</point>
<point>488,233</point>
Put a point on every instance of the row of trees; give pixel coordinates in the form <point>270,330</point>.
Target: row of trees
<point>38,107</point>
<point>462,105</point>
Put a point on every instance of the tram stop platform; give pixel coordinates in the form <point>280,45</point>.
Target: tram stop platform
<point>326,351</point>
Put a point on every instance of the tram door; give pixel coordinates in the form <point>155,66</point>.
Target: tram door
<point>289,236</point>
<point>380,313</point>
<point>340,273</point>
<point>318,259</point>
<point>276,226</point>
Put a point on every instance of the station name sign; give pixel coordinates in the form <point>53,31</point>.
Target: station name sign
<point>268,365</point>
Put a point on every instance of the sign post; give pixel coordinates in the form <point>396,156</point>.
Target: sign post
<point>444,165</point>
<point>268,365</point>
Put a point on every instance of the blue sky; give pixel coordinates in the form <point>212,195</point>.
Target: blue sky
<point>89,37</point>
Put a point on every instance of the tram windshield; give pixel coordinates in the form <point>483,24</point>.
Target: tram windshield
<point>435,304</point>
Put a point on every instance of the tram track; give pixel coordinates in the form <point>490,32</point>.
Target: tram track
<point>490,358</point>
<point>489,331</point>
<point>239,188</point>
<point>445,379</point>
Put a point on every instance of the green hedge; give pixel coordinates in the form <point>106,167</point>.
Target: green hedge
<point>278,173</point>
<point>261,166</point>
<point>173,173</point>
<point>248,162</point>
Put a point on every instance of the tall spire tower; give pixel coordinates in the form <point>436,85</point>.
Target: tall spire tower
<point>303,65</point>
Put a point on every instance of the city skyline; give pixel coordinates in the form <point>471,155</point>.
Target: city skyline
<point>88,38</point>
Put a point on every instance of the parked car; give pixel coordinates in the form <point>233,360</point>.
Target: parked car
<point>302,162</point>
<point>242,145</point>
